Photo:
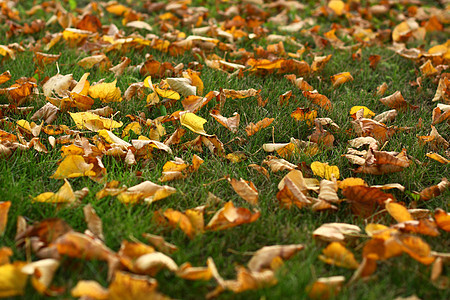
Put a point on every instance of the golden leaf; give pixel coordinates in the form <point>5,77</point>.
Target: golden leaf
<point>341,78</point>
<point>188,272</point>
<point>146,191</point>
<point>338,255</point>
<point>64,195</point>
<point>324,170</point>
<point>73,166</point>
<point>442,219</point>
<point>90,121</point>
<point>398,212</point>
<point>13,280</point>
<point>325,287</point>
<point>337,6</point>
<point>106,92</point>
<point>89,289</point>
<point>367,112</point>
<point>193,123</point>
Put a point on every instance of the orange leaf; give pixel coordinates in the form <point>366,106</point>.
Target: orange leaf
<point>4,208</point>
<point>245,189</point>
<point>318,99</point>
<point>397,101</point>
<point>230,216</point>
<point>341,78</point>
<point>325,287</point>
<point>435,190</point>
<point>442,219</point>
<point>251,129</point>
<point>231,123</point>
<point>338,255</point>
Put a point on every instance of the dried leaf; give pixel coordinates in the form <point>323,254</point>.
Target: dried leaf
<point>435,190</point>
<point>325,287</point>
<point>324,170</point>
<point>4,209</point>
<point>251,128</point>
<point>230,216</point>
<point>365,200</point>
<point>398,212</point>
<point>193,123</point>
<point>336,232</point>
<point>245,189</point>
<point>93,221</point>
<point>106,92</point>
<point>338,255</point>
<point>263,258</point>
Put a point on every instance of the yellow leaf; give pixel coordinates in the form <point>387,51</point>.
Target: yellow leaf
<point>351,181</point>
<point>167,94</point>
<point>64,195</point>
<point>338,255</point>
<point>337,6</point>
<point>194,123</point>
<point>398,212</point>
<point>106,92</point>
<point>324,170</point>
<point>91,121</point>
<point>73,166</point>
<point>12,280</point>
<point>367,112</point>
<point>89,289</point>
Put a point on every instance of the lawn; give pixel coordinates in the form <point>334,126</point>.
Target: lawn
<point>244,57</point>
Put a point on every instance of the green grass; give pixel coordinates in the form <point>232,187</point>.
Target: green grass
<point>26,174</point>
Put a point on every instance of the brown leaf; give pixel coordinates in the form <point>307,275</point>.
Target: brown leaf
<point>231,123</point>
<point>290,194</point>
<point>263,258</point>
<point>48,112</point>
<point>374,60</point>
<point>93,221</point>
<point>278,164</point>
<point>230,216</point>
<point>4,77</point>
<point>396,101</point>
<point>120,67</point>
<point>364,201</point>
<point>434,140</point>
<point>245,189</point>
<point>318,99</point>
<point>159,243</point>
<point>435,190</point>
<point>381,162</point>
<point>251,128</point>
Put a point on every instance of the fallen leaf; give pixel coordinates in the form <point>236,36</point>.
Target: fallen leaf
<point>230,216</point>
<point>13,280</point>
<point>263,258</point>
<point>338,255</point>
<point>89,289</point>
<point>364,201</point>
<point>324,170</point>
<point>193,123</point>
<point>336,232</point>
<point>341,78</point>
<point>325,287</point>
<point>435,190</point>
<point>146,191</point>
<point>106,92</point>
<point>251,128</point>
<point>318,99</point>
<point>245,189</point>
<point>398,212</point>
<point>4,209</point>
<point>442,219</point>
